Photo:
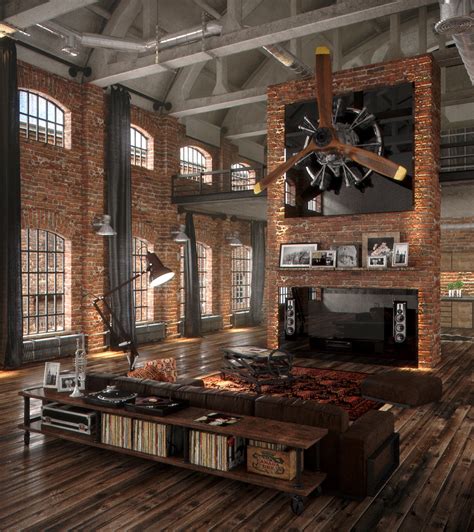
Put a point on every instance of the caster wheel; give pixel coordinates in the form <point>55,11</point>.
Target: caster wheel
<point>297,505</point>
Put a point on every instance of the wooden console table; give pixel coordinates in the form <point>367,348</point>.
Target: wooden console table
<point>294,436</point>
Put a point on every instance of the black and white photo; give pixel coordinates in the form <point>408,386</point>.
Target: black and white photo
<point>296,255</point>
<point>51,374</point>
<point>347,256</point>
<point>377,262</point>
<point>379,245</point>
<point>324,258</point>
<point>400,254</point>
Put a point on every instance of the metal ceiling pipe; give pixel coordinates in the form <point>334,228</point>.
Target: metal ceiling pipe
<point>457,20</point>
<point>95,40</point>
<point>287,59</point>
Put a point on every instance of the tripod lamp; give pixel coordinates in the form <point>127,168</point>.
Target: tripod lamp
<point>159,274</point>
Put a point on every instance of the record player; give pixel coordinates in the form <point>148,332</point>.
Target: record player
<point>111,397</point>
<point>156,405</point>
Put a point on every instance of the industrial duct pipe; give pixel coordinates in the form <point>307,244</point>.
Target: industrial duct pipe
<point>457,21</point>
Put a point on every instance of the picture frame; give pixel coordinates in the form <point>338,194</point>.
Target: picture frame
<point>296,255</point>
<point>324,258</point>
<point>378,244</point>
<point>400,255</point>
<point>377,262</point>
<point>51,374</point>
<point>347,256</point>
<point>67,381</point>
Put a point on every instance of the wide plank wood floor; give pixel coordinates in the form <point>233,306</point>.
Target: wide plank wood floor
<point>57,485</point>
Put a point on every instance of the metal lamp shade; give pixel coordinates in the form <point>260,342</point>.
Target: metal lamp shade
<point>105,228</point>
<point>159,274</point>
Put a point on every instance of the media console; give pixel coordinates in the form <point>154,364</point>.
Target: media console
<point>296,437</point>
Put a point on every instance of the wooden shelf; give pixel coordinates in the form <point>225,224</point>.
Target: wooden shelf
<point>310,480</point>
<point>249,427</point>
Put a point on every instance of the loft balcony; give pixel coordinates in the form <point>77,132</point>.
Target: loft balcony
<point>228,192</point>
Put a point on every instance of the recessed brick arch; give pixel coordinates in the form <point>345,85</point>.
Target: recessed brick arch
<point>54,221</point>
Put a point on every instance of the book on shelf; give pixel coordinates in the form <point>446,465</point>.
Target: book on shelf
<point>116,430</point>
<point>142,436</point>
<point>150,437</point>
<point>216,451</point>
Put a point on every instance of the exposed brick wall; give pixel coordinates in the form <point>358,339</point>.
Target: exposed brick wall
<point>419,227</point>
<point>457,241</point>
<point>63,189</point>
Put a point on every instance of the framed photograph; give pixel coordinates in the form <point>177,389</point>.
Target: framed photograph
<point>324,258</point>
<point>347,256</point>
<point>379,245</point>
<point>67,380</point>
<point>400,254</point>
<point>296,255</point>
<point>377,262</point>
<point>51,374</point>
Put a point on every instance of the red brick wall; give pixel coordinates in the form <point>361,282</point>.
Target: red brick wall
<point>457,241</point>
<point>419,227</point>
<point>63,190</point>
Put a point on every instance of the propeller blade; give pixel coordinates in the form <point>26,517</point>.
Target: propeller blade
<point>374,162</point>
<point>283,167</point>
<point>324,86</point>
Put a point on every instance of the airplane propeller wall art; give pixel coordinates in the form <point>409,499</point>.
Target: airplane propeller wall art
<point>333,149</point>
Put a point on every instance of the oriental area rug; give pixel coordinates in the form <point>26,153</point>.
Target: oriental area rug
<point>340,388</point>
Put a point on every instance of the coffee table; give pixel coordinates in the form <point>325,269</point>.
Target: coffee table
<point>258,366</point>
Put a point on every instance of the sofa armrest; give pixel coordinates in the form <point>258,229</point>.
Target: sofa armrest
<point>363,440</point>
<point>191,382</point>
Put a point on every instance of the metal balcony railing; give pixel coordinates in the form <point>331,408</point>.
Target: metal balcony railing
<point>216,181</point>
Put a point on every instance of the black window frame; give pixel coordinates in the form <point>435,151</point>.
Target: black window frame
<point>241,272</point>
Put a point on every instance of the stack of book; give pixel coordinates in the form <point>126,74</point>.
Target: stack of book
<point>149,437</point>
<point>216,451</point>
<point>117,431</point>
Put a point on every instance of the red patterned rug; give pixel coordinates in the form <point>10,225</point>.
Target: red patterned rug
<point>341,388</point>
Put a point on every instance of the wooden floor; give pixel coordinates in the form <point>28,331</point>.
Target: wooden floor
<point>56,485</point>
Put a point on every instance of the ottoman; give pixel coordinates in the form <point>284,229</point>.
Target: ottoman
<point>406,388</point>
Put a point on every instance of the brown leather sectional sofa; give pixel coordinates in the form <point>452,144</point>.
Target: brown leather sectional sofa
<point>357,457</point>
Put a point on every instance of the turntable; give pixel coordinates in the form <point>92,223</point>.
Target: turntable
<point>111,397</point>
<point>155,405</point>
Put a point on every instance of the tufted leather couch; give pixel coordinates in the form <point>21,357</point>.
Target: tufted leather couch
<point>356,457</point>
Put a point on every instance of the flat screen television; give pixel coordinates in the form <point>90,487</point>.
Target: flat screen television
<point>355,321</point>
<point>380,120</point>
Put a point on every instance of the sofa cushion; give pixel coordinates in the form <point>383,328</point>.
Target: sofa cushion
<point>300,411</point>
<point>404,387</point>
<point>130,384</point>
<point>232,402</point>
<point>162,389</point>
<point>161,369</point>
<point>194,394</point>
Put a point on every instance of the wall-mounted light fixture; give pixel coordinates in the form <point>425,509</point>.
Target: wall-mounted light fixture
<point>180,236</point>
<point>102,227</point>
<point>233,240</point>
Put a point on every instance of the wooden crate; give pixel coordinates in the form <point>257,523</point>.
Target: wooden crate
<point>276,464</point>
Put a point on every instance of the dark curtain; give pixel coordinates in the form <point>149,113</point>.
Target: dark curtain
<point>257,230</point>
<point>11,330</point>
<point>119,207</point>
<point>192,309</point>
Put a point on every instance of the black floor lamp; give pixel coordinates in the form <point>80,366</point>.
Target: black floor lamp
<point>159,274</point>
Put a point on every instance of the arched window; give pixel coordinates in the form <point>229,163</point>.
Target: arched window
<point>142,293</point>
<point>204,257</point>
<point>241,277</point>
<point>139,149</point>
<point>43,281</point>
<point>242,178</point>
<point>191,160</point>
<point>41,119</point>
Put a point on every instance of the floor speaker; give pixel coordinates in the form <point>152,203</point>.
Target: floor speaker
<point>290,318</point>
<point>400,321</point>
